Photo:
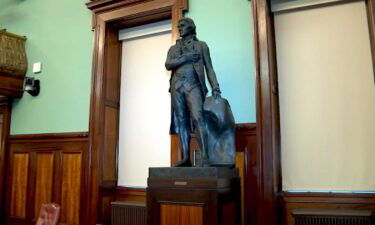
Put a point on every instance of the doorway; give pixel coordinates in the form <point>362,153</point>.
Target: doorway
<point>145,110</point>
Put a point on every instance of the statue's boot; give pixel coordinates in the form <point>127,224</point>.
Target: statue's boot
<point>185,140</point>
<point>202,139</point>
<point>183,163</point>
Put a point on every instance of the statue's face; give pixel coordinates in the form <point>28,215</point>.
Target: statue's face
<point>184,28</point>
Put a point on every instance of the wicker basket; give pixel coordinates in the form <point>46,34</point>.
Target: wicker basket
<point>13,60</point>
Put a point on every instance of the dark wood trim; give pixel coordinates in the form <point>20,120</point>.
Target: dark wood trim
<point>129,194</point>
<point>246,141</point>
<point>329,201</point>
<point>11,86</point>
<point>3,100</point>
<point>332,198</point>
<point>371,24</point>
<point>108,17</point>
<point>45,137</point>
<point>246,127</point>
<point>102,5</point>
<point>5,109</point>
<point>268,153</point>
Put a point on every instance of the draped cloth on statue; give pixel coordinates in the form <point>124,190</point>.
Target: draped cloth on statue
<point>220,126</point>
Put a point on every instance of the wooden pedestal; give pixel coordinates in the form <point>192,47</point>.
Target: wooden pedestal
<point>193,196</point>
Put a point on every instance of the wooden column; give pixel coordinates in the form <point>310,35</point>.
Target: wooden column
<point>5,110</point>
<point>268,132</point>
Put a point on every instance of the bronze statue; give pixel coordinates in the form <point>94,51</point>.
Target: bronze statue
<point>188,60</point>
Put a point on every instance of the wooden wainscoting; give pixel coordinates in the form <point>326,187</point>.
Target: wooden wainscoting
<point>321,201</point>
<point>246,161</point>
<point>127,194</point>
<point>46,168</point>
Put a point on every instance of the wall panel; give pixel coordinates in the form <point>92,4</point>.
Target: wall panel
<point>44,180</point>
<point>71,187</point>
<point>110,144</point>
<point>19,184</point>
<point>46,168</point>
<point>181,215</point>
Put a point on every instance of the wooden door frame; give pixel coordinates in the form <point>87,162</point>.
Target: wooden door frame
<point>5,109</point>
<point>267,102</point>
<point>109,16</point>
<point>269,181</point>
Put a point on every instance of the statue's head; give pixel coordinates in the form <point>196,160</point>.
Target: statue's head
<point>186,27</point>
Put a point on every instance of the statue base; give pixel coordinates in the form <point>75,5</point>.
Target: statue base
<point>193,196</point>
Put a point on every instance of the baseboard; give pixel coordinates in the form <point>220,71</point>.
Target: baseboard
<point>292,201</point>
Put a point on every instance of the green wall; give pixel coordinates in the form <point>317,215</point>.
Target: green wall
<point>226,26</point>
<point>58,35</point>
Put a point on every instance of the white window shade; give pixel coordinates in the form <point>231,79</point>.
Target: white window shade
<point>145,111</point>
<point>327,99</point>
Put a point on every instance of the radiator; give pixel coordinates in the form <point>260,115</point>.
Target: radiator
<point>334,217</point>
<point>128,213</point>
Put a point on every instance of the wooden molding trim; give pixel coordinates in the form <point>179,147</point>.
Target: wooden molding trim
<point>315,196</point>
<point>292,201</point>
<point>129,194</point>
<point>246,127</point>
<point>11,86</point>
<point>101,5</point>
<point>46,137</point>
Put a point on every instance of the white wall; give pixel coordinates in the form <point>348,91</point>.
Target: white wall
<point>327,98</point>
<point>145,111</point>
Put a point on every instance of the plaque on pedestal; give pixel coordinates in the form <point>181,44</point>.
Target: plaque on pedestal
<point>193,196</point>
